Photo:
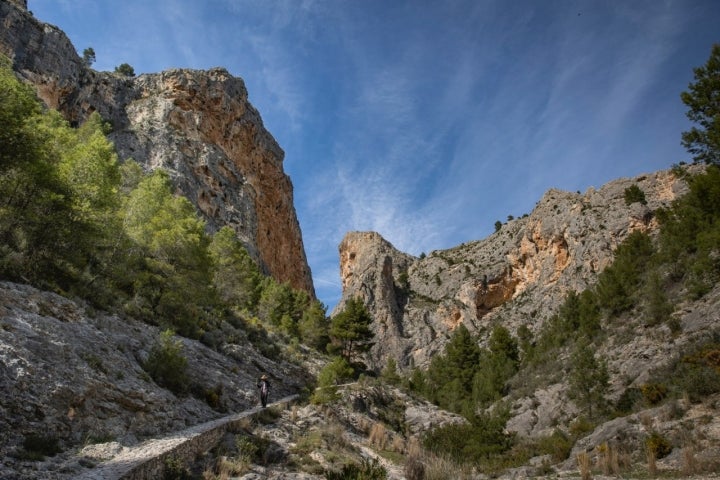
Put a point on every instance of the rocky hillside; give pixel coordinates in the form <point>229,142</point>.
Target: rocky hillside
<point>197,125</point>
<point>73,388</point>
<point>519,277</point>
<point>520,274</point>
<point>75,376</point>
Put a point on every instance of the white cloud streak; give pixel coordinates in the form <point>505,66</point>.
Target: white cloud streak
<point>426,124</point>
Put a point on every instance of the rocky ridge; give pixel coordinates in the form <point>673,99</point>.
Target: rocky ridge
<point>519,274</point>
<point>197,125</point>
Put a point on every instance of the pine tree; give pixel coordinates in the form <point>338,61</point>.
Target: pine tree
<point>589,380</point>
<point>350,330</point>
<point>236,278</point>
<point>703,99</point>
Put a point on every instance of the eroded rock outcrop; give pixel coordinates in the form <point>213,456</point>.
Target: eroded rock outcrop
<point>520,273</point>
<point>197,125</point>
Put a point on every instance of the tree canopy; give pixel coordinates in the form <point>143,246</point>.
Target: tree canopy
<point>350,330</point>
<point>125,69</point>
<point>703,100</point>
<point>88,56</point>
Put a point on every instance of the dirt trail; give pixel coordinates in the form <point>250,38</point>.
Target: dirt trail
<point>147,460</point>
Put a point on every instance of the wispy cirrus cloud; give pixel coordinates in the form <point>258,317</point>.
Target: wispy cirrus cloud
<point>428,124</point>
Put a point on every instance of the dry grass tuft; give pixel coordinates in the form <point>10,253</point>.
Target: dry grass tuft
<point>414,469</point>
<point>379,436</point>
<point>334,434</point>
<point>689,462</point>
<point>608,459</point>
<point>414,447</point>
<point>583,460</point>
<point>226,468</point>
<point>652,465</point>
<point>398,444</point>
<point>438,468</point>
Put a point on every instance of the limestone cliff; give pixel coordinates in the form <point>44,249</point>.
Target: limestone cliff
<point>197,125</point>
<point>519,274</point>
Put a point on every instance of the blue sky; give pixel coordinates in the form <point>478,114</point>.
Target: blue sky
<point>427,121</point>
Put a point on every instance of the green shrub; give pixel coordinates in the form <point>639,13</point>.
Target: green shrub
<point>125,69</point>
<point>247,448</point>
<point>657,307</point>
<point>690,233</point>
<point>658,445</point>
<point>695,373</point>
<point>581,426</point>
<point>618,283</point>
<point>267,416</point>
<point>366,470</point>
<point>653,393</point>
<point>166,364</point>
<point>473,442</point>
<point>175,470</point>
<point>697,380</point>
<point>628,400</point>
<point>213,397</point>
<point>589,380</point>
<point>330,376</point>
<point>634,194</point>
<point>390,374</point>
<point>36,447</point>
<point>558,445</point>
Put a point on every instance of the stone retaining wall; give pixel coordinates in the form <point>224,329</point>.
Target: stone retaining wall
<point>147,460</point>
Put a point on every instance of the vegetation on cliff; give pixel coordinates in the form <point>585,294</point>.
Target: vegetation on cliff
<point>649,277</point>
<point>76,221</point>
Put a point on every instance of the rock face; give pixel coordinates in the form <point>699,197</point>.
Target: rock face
<point>197,125</point>
<point>520,274</point>
<point>76,375</point>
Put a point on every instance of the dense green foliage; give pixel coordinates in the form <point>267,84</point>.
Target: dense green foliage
<point>634,194</point>
<point>166,363</point>
<point>472,442</point>
<point>350,331</point>
<point>334,373</point>
<point>589,380</point>
<point>703,101</point>
<point>59,191</point>
<point>466,376</point>
<point>366,470</point>
<point>690,234</point>
<point>349,336</point>
<point>88,56</point>
<point>125,69</point>
<point>695,372</point>
<point>75,220</point>
<point>171,248</point>
<point>617,286</point>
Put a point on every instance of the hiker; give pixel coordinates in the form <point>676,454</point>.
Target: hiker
<point>264,387</point>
